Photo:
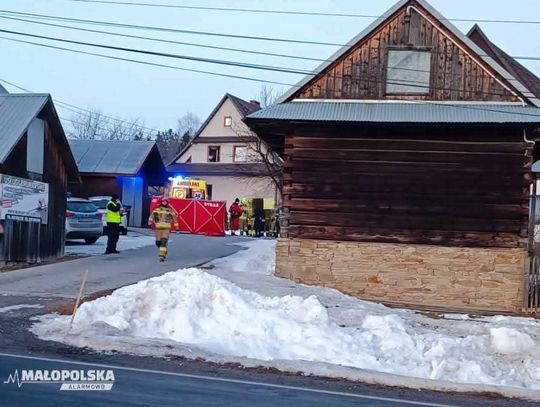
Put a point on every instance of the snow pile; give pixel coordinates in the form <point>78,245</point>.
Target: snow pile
<point>508,341</point>
<point>194,308</point>
<point>129,242</point>
<point>259,258</point>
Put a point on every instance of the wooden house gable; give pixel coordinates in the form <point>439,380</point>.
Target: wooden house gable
<point>411,53</point>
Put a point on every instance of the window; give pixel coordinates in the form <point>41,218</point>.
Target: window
<point>408,72</point>
<point>213,154</point>
<point>227,121</point>
<point>241,154</point>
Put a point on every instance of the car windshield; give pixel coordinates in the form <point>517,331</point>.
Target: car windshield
<point>100,203</point>
<point>86,207</point>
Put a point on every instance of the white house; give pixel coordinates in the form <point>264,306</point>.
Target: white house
<point>223,153</point>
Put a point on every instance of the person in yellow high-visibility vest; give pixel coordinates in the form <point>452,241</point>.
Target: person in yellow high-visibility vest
<point>113,217</point>
<point>163,218</point>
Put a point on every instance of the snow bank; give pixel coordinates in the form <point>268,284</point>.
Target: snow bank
<point>191,312</point>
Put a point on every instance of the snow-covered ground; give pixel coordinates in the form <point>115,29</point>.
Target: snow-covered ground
<point>237,311</point>
<point>132,241</point>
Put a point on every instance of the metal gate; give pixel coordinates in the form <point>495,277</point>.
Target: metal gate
<point>21,242</point>
<point>531,300</point>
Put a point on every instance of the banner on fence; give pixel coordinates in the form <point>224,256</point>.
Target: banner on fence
<point>23,199</point>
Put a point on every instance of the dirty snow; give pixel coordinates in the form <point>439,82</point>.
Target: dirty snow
<point>132,241</point>
<point>238,311</point>
<point>19,306</point>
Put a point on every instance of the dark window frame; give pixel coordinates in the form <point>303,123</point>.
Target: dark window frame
<point>218,157</point>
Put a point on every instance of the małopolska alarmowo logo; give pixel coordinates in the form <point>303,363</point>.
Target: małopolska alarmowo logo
<point>82,380</point>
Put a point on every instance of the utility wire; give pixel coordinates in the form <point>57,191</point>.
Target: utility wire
<point>413,84</point>
<point>80,110</point>
<point>150,63</point>
<point>166,29</point>
<point>164,54</point>
<point>191,32</point>
<point>284,12</point>
<point>191,44</point>
<point>409,83</point>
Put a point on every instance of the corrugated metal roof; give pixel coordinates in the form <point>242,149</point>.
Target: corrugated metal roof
<point>384,112</point>
<point>110,157</point>
<point>16,113</point>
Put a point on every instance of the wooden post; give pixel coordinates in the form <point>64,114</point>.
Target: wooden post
<point>83,283</point>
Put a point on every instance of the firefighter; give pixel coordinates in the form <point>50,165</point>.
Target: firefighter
<point>236,211</point>
<point>163,219</point>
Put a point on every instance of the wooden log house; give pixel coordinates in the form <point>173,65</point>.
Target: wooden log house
<point>408,169</point>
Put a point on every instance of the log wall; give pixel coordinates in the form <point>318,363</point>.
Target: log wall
<point>457,187</point>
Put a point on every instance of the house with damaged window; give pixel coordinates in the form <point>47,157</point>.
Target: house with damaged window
<point>407,168</point>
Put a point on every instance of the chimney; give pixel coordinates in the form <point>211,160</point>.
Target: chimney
<point>255,102</point>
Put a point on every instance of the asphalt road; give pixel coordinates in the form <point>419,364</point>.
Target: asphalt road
<point>142,387</point>
<point>166,381</point>
<point>113,271</point>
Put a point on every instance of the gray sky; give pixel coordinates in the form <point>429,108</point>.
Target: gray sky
<point>158,96</point>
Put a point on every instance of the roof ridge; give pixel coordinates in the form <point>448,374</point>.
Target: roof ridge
<point>461,37</point>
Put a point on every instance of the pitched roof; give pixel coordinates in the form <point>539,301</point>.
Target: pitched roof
<point>373,26</point>
<point>399,112</point>
<point>111,157</point>
<point>243,107</point>
<point>529,79</point>
<point>16,113</point>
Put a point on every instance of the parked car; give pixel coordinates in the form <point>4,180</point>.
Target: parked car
<point>83,220</point>
<point>101,203</point>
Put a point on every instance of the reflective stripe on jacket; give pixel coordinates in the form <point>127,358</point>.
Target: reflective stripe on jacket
<point>113,215</point>
<point>164,218</point>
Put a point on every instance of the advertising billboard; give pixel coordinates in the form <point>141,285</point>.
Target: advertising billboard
<point>23,199</point>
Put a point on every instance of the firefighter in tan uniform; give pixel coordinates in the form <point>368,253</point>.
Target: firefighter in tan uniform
<point>163,219</point>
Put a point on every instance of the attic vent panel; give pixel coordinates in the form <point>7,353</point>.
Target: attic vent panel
<point>408,72</point>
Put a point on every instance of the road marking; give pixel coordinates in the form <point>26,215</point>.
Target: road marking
<point>235,381</point>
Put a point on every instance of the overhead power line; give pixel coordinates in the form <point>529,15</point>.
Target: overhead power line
<point>191,32</point>
<point>286,12</point>
<point>164,54</point>
<point>232,76</point>
<point>409,83</point>
<point>191,44</point>
<point>81,110</point>
<point>167,29</point>
<point>194,44</point>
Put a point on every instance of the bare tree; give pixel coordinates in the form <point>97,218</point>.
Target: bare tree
<point>87,126</point>
<point>267,96</point>
<point>257,151</point>
<point>126,130</point>
<point>93,125</point>
<point>188,124</point>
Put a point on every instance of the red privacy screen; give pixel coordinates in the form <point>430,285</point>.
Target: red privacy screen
<point>198,216</point>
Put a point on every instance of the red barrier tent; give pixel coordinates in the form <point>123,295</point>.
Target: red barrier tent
<point>198,216</point>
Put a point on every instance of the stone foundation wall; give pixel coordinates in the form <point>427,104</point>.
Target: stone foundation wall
<point>475,279</point>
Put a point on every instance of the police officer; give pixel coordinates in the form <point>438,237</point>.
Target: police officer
<point>113,216</point>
